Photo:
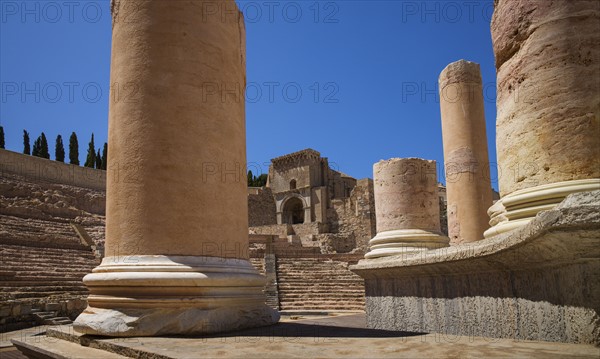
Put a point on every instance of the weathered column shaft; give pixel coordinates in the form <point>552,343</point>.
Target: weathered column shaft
<point>178,151</point>
<point>468,187</point>
<point>548,65</point>
<point>176,227</point>
<point>406,207</point>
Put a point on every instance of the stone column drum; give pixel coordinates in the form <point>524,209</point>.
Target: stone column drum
<point>548,65</point>
<point>406,208</point>
<point>176,216</point>
<point>468,186</point>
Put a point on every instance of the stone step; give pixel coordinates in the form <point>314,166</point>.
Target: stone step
<point>289,297</point>
<point>293,281</point>
<point>62,322</point>
<point>317,307</point>
<point>327,287</point>
<point>39,283</point>
<point>78,257</point>
<point>321,303</point>
<point>315,269</point>
<point>306,304</point>
<point>8,290</point>
<point>322,299</point>
<point>314,266</point>
<point>51,318</point>
<point>53,348</point>
<point>53,267</point>
<point>317,273</point>
<point>46,276</point>
<point>37,295</point>
<point>27,253</point>
<point>290,279</point>
<point>27,267</point>
<point>53,276</point>
<point>325,279</point>
<point>44,315</point>
<point>339,300</point>
<point>322,293</point>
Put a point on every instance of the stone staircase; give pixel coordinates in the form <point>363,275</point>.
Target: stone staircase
<point>49,318</point>
<point>271,286</point>
<point>258,264</point>
<point>36,272</point>
<point>323,283</point>
<point>38,233</point>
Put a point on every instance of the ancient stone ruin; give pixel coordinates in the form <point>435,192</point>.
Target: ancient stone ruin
<point>534,277</point>
<point>465,151</point>
<point>527,269</point>
<point>407,208</point>
<point>315,205</point>
<point>168,271</point>
<point>547,60</point>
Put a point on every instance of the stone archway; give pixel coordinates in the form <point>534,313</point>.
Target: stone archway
<point>293,211</point>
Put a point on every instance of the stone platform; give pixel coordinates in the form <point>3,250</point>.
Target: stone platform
<point>538,282</point>
<point>309,337</point>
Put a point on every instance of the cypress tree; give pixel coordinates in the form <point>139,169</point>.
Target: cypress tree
<point>26,146</point>
<point>1,137</point>
<point>98,160</point>
<point>73,150</point>
<point>36,147</point>
<point>105,156</point>
<point>59,149</point>
<point>90,160</point>
<point>261,180</point>
<point>250,179</point>
<point>43,147</point>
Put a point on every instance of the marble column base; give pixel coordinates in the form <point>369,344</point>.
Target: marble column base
<point>403,241</point>
<point>520,207</point>
<point>173,295</point>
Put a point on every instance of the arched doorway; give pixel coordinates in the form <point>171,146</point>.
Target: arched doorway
<point>293,211</point>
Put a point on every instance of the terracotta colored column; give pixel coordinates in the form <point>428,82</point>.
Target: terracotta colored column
<point>406,207</point>
<point>176,222</point>
<point>468,187</point>
<point>548,65</point>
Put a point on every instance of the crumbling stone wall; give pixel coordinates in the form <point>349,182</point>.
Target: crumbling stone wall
<point>18,314</point>
<point>39,198</point>
<point>261,207</point>
<point>352,219</point>
<point>275,229</point>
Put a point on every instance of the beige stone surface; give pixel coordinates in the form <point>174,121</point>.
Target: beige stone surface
<point>548,65</point>
<point>177,180</point>
<point>37,212</point>
<point>535,283</point>
<point>47,171</point>
<point>468,187</point>
<point>520,207</point>
<point>406,194</point>
<point>177,209</point>
<point>406,207</point>
<point>340,336</point>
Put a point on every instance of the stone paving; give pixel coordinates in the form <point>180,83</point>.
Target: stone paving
<point>331,336</point>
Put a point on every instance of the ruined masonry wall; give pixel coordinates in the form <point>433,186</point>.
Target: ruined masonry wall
<point>43,170</point>
<point>261,207</point>
<point>354,217</point>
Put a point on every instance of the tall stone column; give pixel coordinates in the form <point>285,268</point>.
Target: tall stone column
<point>468,186</point>
<point>548,65</point>
<point>176,216</point>
<point>406,208</point>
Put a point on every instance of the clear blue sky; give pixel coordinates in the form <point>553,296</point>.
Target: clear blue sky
<point>355,80</point>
